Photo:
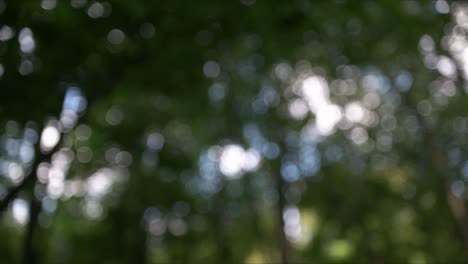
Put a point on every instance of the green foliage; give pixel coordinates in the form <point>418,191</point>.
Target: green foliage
<point>202,143</point>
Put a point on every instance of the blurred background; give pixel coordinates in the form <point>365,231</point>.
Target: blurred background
<point>243,131</point>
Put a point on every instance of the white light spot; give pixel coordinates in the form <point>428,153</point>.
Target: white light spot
<point>55,187</point>
<point>355,112</point>
<point>99,184</point>
<point>114,116</point>
<point>49,138</point>
<point>124,158</point>
<point>15,172</point>
<point>404,80</point>
<point>93,209</point>
<point>251,160</point>
<point>424,107</point>
<point>442,6</point>
<point>426,43</point>
<point>283,71</point>
<point>26,67</point>
<point>316,92</point>
<point>20,211</point>
<point>74,100</point>
<point>26,40</point>
<point>371,100</point>
<point>292,223</point>
<point>82,132</point>
<point>359,135</point>
<point>68,119</point>
<point>84,154</point>
<point>232,160</point>
<point>6,33</point>
<point>327,118</point>
<point>270,150</point>
<point>464,170</point>
<point>177,227</point>
<point>375,81</point>
<point>42,172</point>
<point>49,204</point>
<point>458,188</point>
<point>111,153</point>
<point>290,172</point>
<point>446,66</point>
<point>157,226</point>
<point>298,109</point>
<point>96,10</point>
<point>116,36</point>
<point>48,4</point>
<point>155,141</point>
<point>217,91</point>
<point>211,69</point>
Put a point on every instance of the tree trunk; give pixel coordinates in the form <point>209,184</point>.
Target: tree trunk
<point>30,254</point>
<point>281,204</point>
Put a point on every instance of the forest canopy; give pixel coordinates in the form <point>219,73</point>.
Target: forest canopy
<point>233,131</point>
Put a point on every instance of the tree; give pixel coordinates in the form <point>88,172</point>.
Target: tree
<point>233,132</point>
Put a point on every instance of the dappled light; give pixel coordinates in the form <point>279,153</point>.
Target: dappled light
<point>233,132</point>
